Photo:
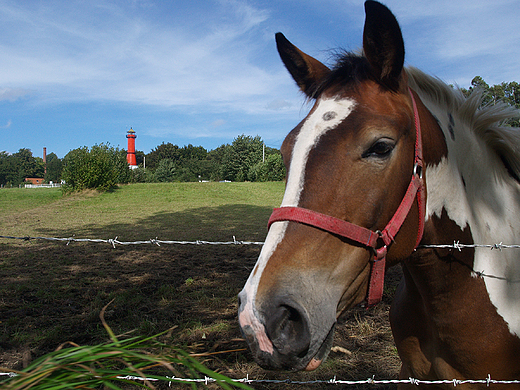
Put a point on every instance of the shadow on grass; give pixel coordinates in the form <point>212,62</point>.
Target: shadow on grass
<point>52,292</point>
<point>246,222</point>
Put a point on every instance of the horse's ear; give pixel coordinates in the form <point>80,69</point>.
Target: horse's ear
<point>383,44</point>
<point>308,72</point>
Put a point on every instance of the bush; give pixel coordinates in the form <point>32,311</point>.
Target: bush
<point>272,169</point>
<point>142,175</point>
<point>102,167</point>
<point>165,172</point>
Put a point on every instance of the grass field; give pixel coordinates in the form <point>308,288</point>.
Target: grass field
<point>52,292</point>
<point>142,211</point>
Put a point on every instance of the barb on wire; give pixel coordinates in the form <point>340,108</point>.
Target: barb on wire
<point>155,241</point>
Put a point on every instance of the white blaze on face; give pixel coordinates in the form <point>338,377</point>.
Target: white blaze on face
<point>327,115</point>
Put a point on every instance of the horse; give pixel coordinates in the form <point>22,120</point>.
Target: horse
<point>388,163</point>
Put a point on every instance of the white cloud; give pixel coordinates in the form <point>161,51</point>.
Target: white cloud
<point>13,94</point>
<point>104,51</point>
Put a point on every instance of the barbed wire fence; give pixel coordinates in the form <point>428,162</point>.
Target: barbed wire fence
<point>155,241</point>
<point>334,381</point>
<point>114,241</point>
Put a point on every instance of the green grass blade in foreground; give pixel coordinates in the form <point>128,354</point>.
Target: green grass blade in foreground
<point>74,366</point>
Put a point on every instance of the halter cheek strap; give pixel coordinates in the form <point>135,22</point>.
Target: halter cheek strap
<point>364,236</point>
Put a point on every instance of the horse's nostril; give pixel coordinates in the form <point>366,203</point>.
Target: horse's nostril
<point>288,330</point>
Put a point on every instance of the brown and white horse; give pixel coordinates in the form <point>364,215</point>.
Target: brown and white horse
<point>387,161</point>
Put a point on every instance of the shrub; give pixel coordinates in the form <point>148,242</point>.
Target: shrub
<point>102,167</point>
<point>142,175</point>
<point>272,169</point>
<point>166,170</point>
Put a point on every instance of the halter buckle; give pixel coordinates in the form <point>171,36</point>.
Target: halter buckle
<point>380,253</point>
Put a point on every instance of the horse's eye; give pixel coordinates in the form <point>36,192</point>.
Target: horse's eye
<point>380,148</point>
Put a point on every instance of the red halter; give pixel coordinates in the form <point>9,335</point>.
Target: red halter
<point>363,235</point>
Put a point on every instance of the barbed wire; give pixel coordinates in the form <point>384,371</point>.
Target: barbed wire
<point>458,246</point>
<point>155,241</point>
<point>480,274</point>
<point>334,381</point>
<point>115,241</point>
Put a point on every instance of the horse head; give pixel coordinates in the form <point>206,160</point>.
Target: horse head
<point>351,158</point>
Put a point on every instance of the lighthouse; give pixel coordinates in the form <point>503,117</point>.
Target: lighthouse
<point>130,153</point>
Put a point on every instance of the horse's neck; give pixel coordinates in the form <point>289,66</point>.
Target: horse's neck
<point>468,200</point>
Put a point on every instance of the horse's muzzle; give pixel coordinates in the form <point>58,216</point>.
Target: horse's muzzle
<point>280,336</point>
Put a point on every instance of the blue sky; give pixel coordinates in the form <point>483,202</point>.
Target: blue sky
<point>79,73</point>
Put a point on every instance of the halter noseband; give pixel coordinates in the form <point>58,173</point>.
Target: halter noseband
<point>363,235</point>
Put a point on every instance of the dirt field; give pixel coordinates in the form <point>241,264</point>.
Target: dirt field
<point>58,293</point>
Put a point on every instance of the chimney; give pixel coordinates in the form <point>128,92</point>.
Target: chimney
<point>45,160</point>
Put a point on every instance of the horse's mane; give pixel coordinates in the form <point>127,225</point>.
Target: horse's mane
<point>486,121</point>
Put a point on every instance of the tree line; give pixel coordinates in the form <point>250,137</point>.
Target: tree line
<point>104,166</point>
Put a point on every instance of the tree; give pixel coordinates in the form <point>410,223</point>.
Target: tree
<point>142,175</point>
<point>54,167</point>
<point>273,169</point>
<point>163,151</point>
<point>139,157</point>
<point>505,92</point>
<point>28,166</point>
<point>8,170</point>
<point>191,152</point>
<point>102,167</point>
<point>216,160</point>
<point>244,153</point>
<point>191,163</point>
<point>15,168</point>
<point>166,170</point>
<point>242,160</point>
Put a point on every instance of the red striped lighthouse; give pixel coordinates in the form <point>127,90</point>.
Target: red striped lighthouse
<point>130,152</point>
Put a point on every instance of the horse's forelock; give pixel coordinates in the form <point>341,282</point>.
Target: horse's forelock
<point>350,68</point>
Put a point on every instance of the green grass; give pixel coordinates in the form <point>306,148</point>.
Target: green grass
<point>113,365</point>
<point>14,200</point>
<point>140,211</point>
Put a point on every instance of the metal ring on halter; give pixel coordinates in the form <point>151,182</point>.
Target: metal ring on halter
<point>418,170</point>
